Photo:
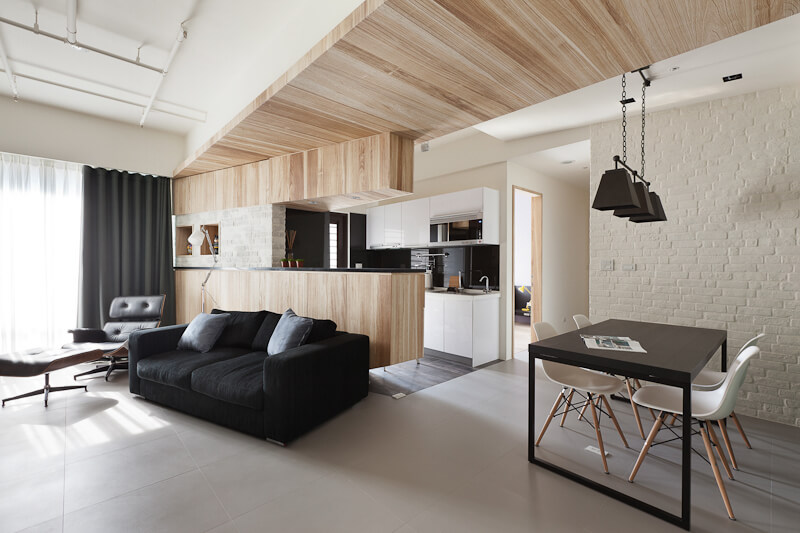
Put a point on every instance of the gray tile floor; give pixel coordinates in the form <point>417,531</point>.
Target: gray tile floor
<point>448,458</point>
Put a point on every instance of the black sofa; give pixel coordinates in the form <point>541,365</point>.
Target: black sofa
<point>236,384</point>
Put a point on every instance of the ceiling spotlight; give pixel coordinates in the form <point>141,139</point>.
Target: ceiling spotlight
<point>568,161</point>
<point>732,77</point>
<point>355,197</point>
<point>673,69</point>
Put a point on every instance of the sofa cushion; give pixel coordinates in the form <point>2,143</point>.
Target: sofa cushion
<point>239,380</point>
<point>241,328</point>
<point>175,368</point>
<point>321,330</point>
<point>291,332</point>
<point>261,340</point>
<point>202,332</point>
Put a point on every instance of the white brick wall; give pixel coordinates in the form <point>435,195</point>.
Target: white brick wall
<point>249,236</point>
<point>728,174</point>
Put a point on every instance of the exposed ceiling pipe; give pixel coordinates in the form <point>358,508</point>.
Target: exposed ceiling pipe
<point>72,19</point>
<point>78,44</point>
<point>187,116</point>
<point>9,74</point>
<point>178,40</point>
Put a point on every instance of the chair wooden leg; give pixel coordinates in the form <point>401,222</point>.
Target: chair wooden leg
<point>639,386</point>
<point>715,468</point>
<point>715,440</point>
<point>567,407</point>
<point>723,428</point>
<point>634,407</point>
<point>599,435</point>
<point>585,406</point>
<point>551,415</point>
<point>614,419</point>
<point>673,419</point>
<point>649,442</point>
<point>741,431</point>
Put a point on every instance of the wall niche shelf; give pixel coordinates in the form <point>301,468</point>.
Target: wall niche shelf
<point>182,240</point>
<point>213,231</point>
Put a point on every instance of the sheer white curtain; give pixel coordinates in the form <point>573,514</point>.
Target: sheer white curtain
<point>40,246</point>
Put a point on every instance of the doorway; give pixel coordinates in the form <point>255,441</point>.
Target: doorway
<point>526,270</point>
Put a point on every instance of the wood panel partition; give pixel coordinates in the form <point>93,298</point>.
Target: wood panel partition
<point>332,177</point>
<point>387,307</point>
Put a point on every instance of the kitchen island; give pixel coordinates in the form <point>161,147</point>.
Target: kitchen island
<point>387,305</point>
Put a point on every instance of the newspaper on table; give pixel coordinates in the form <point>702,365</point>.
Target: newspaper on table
<point>606,342</point>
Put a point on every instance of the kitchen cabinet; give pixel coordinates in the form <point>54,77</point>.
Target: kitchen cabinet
<point>434,322</point>
<point>416,223</point>
<point>376,237</point>
<point>464,325</point>
<point>393,225</point>
<point>407,224</point>
<point>466,202</point>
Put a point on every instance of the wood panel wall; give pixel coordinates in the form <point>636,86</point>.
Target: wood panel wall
<point>387,307</point>
<point>322,179</point>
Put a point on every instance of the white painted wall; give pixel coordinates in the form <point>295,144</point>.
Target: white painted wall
<point>565,244</point>
<point>49,132</point>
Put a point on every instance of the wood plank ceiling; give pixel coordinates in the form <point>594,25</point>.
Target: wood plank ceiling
<point>425,68</point>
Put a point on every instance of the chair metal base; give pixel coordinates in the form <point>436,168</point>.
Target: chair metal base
<point>46,391</point>
<point>108,369</point>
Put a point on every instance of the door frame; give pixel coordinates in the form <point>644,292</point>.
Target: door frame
<point>536,256</point>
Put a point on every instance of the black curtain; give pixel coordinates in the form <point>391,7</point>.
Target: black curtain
<point>126,242</point>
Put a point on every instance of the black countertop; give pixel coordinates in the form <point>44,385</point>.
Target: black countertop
<point>314,269</point>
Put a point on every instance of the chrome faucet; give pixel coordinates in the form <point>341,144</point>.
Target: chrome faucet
<point>486,290</point>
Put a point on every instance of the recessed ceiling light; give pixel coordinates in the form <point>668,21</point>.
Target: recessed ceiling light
<point>568,161</point>
<point>732,77</point>
<point>673,69</point>
<point>312,202</point>
<point>355,198</point>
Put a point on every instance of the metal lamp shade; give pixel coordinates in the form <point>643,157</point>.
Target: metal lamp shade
<point>659,216</point>
<point>615,191</point>
<point>646,204</point>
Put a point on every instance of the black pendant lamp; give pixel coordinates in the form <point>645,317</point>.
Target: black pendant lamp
<point>618,188</point>
<point>658,216</point>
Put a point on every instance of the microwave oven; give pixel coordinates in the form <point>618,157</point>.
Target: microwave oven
<point>457,232</point>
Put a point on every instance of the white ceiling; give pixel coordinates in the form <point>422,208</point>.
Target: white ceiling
<point>569,162</point>
<point>234,49</point>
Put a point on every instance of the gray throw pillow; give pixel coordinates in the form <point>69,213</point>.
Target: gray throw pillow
<point>202,332</point>
<point>291,332</point>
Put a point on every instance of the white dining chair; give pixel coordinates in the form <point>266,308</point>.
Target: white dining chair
<point>709,379</point>
<point>707,407</point>
<point>582,321</point>
<point>593,386</point>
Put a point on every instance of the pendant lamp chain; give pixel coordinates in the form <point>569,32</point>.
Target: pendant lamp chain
<point>644,86</point>
<point>624,123</point>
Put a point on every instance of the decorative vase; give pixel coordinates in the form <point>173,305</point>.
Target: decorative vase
<point>189,249</point>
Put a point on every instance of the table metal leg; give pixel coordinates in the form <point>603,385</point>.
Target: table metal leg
<point>686,460</point>
<point>723,362</point>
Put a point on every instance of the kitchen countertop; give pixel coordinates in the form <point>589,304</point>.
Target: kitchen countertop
<point>313,269</point>
<point>475,294</point>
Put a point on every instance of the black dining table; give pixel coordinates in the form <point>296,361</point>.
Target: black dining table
<point>675,356</point>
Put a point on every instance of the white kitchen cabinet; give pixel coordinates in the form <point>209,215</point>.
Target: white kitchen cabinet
<point>485,330</point>
<point>458,325</point>
<point>434,322</point>
<point>468,202</point>
<point>393,225</point>
<point>464,325</point>
<point>416,223</point>
<point>376,237</point>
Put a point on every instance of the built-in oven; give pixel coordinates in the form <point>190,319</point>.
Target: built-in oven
<point>457,230</point>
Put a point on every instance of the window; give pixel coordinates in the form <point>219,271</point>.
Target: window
<point>40,232</point>
<point>333,236</point>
